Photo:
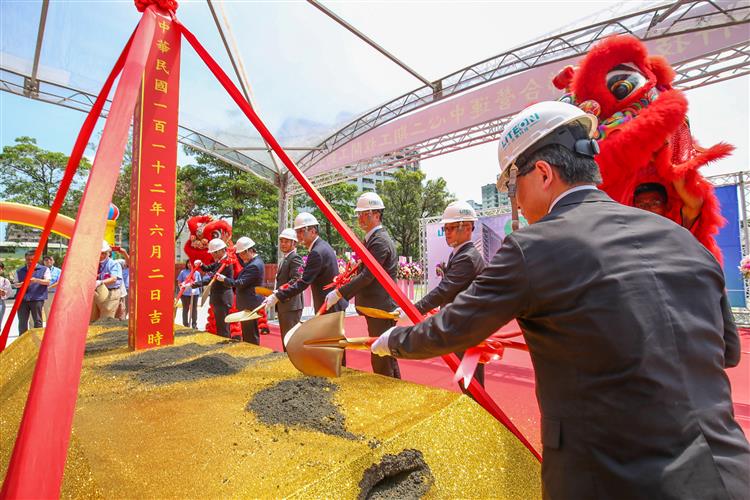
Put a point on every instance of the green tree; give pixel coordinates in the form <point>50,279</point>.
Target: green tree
<point>213,187</point>
<point>32,175</point>
<point>407,199</point>
<point>342,198</point>
<point>184,209</point>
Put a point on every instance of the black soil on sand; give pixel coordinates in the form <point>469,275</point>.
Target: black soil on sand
<point>153,358</point>
<point>306,402</point>
<point>117,339</point>
<point>108,341</point>
<point>211,365</point>
<point>405,475</point>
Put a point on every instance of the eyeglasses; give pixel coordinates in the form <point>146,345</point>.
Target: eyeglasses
<point>450,229</point>
<point>506,185</point>
<point>649,204</point>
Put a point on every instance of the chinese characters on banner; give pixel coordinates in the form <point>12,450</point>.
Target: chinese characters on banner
<point>502,98</point>
<point>153,188</point>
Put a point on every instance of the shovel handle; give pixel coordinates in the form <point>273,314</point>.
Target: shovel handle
<point>363,343</point>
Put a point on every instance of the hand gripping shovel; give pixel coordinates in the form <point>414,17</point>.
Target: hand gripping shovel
<point>378,313</point>
<point>316,347</point>
<point>244,315</point>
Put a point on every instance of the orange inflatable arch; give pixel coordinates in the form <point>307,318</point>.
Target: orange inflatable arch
<point>15,213</point>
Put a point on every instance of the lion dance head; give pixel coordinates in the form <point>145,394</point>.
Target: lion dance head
<point>643,132</point>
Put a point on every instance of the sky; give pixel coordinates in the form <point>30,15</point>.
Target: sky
<point>307,73</point>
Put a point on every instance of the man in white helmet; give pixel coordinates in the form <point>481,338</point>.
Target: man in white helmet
<point>464,264</point>
<point>627,322</point>
<point>367,290</point>
<point>251,276</point>
<point>320,269</point>
<point>221,296</point>
<point>288,272</point>
<point>108,283</point>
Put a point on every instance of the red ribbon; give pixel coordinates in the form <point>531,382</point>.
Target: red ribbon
<point>492,349</point>
<point>38,460</point>
<point>377,270</point>
<point>343,278</point>
<point>168,5</point>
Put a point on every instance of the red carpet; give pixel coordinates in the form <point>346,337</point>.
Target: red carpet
<point>511,381</point>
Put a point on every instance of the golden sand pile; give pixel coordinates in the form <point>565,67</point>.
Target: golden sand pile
<point>210,418</point>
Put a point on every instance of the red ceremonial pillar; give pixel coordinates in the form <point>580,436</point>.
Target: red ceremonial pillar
<point>153,188</point>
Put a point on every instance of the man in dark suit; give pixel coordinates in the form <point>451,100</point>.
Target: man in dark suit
<point>250,276</point>
<point>364,286</point>
<point>320,269</point>
<point>289,271</point>
<point>464,264</point>
<point>627,322</point>
<point>221,295</point>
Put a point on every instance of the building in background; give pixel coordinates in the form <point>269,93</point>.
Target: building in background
<point>19,239</point>
<point>371,182</point>
<point>492,198</point>
<point>476,206</point>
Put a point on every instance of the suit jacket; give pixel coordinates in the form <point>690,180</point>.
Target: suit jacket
<point>320,270</point>
<point>629,329</point>
<point>461,270</point>
<point>252,275</point>
<point>221,292</point>
<point>368,291</point>
<point>289,271</point>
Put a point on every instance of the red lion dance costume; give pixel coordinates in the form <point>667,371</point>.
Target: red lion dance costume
<point>203,228</point>
<point>644,134</point>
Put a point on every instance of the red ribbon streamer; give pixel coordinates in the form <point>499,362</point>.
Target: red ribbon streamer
<point>70,171</point>
<point>480,395</point>
<point>343,278</point>
<point>38,460</point>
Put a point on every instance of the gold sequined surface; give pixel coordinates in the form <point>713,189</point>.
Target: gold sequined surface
<point>177,422</point>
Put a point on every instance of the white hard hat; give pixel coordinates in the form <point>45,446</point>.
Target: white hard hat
<point>215,245</point>
<point>535,123</point>
<point>106,247</point>
<point>369,201</point>
<point>243,244</point>
<point>458,211</point>
<point>289,234</point>
<point>304,219</point>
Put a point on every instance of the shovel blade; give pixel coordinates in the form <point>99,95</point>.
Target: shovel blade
<point>206,293</point>
<point>317,360</point>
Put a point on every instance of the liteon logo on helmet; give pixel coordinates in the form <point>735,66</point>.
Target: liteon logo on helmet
<point>373,203</point>
<point>464,211</point>
<point>519,129</point>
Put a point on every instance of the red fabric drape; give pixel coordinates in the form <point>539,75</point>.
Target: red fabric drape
<point>383,278</point>
<point>38,460</point>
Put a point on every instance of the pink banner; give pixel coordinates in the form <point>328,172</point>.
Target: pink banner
<point>504,98</point>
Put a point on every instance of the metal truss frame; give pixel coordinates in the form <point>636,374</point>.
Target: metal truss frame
<point>650,23</point>
<point>706,70</point>
<point>742,181</point>
<point>79,100</point>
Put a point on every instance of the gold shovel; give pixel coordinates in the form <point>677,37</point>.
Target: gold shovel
<point>378,313</point>
<point>207,290</point>
<point>244,315</point>
<point>316,347</point>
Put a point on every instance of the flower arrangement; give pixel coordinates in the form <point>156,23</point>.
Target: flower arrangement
<point>409,271</point>
<point>346,262</point>
<point>745,267</point>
